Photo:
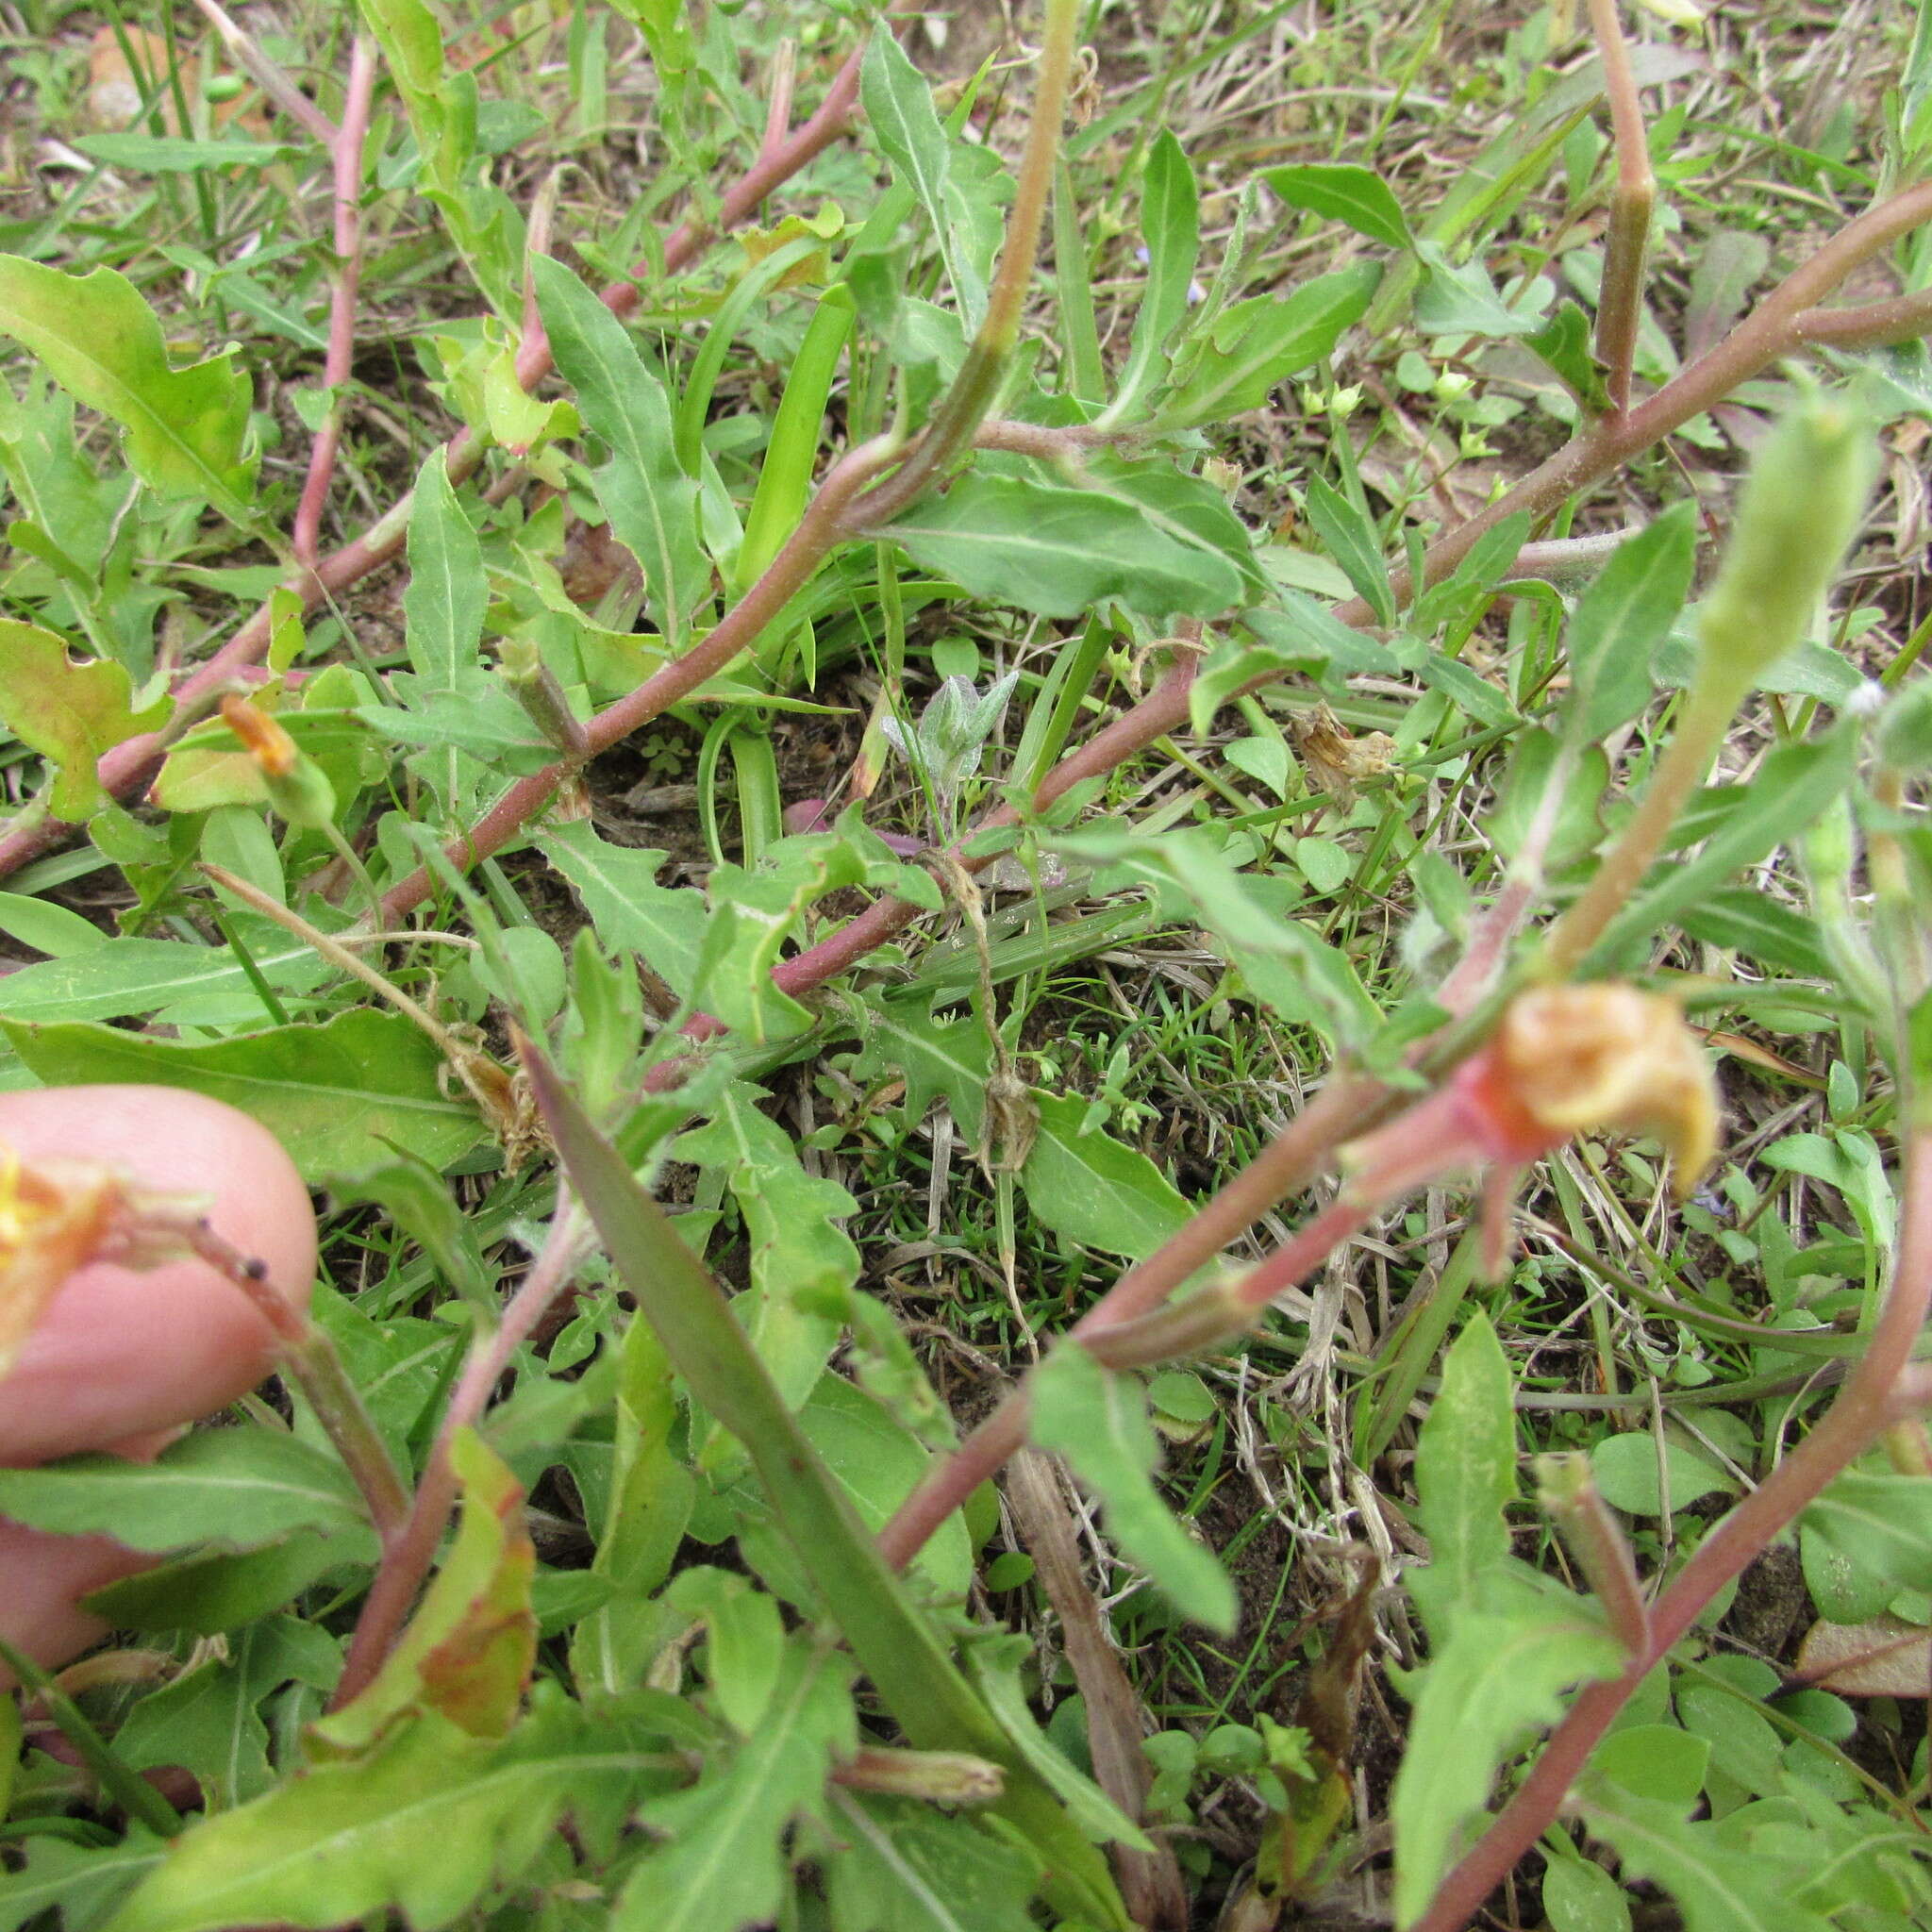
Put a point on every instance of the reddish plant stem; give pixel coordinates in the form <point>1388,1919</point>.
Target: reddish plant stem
<point>803,551</point>
<point>410,1552</point>
<point>131,766</point>
<point>1869,324</point>
<point>1866,1406</point>
<point>309,1359</point>
<point>346,152</point>
<point>1619,301</point>
<point>948,1483</point>
<point>1770,331</point>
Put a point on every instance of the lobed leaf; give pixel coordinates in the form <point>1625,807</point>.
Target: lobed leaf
<point>68,712</point>
<point>1098,1420</point>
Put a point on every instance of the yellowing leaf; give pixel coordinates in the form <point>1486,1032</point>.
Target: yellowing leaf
<point>68,712</point>
<point>102,343</point>
<point>1884,1657</point>
<point>469,1650</point>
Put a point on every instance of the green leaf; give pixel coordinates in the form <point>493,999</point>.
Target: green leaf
<point>1627,1478</point>
<point>234,1489</point>
<point>422,1826</point>
<point>468,1651</point>
<point>1462,301</point>
<point>1761,928</point>
<point>651,503</point>
<point>650,1503</point>
<point>936,1058</point>
<point>206,1592</point>
<point>722,1863</point>
<point>898,107</point>
<point>1718,1887</point>
<point>1260,343</point>
<point>1350,538</point>
<point>1564,342</point>
<point>905,1867</point>
<point>1098,1420</point>
<point>447,591</point>
<point>1499,1675</point>
<point>161,154</point>
<point>1581,1897</point>
<point>209,1720</point>
<point>102,343</point>
<point>1171,227</point>
<point>757,909</point>
<point>895,1645</point>
<point>1465,1472</point>
<point>68,712</point>
<point>1789,789</point>
<point>47,927</point>
<point>879,1462</point>
<point>83,1883</point>
<point>339,1096</point>
<point>1880,1522</point>
<point>1093,1189</point>
<point>1344,193</point>
<point>803,1263</point>
<point>124,976</point>
<point>1294,634</point>
<point>1058,551</point>
<point>664,925</point>
<point>1632,604</point>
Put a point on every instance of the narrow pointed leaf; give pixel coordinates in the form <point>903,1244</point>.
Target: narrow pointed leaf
<point>932,1702</point>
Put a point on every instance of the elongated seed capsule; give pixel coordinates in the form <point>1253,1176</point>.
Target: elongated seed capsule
<point>1799,510</point>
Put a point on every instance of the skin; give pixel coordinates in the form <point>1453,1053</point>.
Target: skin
<point>120,1360</point>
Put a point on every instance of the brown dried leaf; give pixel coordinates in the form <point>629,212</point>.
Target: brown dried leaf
<point>1883,1656</point>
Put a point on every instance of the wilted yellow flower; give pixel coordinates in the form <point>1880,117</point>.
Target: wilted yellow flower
<point>297,786</point>
<point>1581,1058</point>
<point>50,1224</point>
<point>266,742</point>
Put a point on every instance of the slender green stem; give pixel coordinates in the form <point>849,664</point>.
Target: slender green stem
<point>311,1362</point>
<point>126,1786</point>
<point>1700,730</point>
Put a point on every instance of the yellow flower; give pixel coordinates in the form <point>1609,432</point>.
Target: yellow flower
<point>53,1218</point>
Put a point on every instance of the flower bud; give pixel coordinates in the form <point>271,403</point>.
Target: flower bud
<point>297,786</point>
<point>1799,510</point>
